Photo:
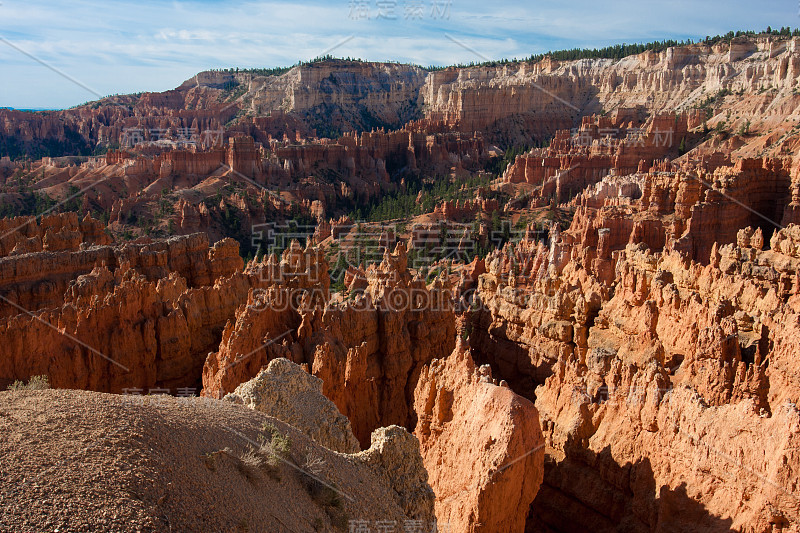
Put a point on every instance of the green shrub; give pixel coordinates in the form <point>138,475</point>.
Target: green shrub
<point>744,129</point>
<point>277,447</point>
<point>34,383</point>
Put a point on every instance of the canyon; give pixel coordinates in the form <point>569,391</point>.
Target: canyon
<point>535,296</point>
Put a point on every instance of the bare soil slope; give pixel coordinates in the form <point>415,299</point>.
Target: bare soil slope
<point>85,461</point>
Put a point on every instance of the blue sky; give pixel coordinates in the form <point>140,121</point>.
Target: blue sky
<point>130,46</point>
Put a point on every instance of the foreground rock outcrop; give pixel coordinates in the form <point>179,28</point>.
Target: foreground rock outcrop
<point>289,393</point>
<point>111,462</point>
<point>394,454</point>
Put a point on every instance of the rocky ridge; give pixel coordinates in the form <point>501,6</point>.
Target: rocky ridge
<point>208,447</point>
<point>287,392</point>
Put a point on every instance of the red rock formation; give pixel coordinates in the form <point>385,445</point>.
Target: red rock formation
<point>682,368</point>
<point>598,148</point>
<point>675,354</point>
<point>21,235</point>
<point>751,193</point>
<point>520,101</point>
<point>244,157</point>
<point>687,210</point>
<point>466,209</point>
<point>366,161</point>
<point>140,317</point>
<point>656,335</point>
<point>112,120</point>
<point>368,350</point>
<point>40,280</point>
<point>481,444</point>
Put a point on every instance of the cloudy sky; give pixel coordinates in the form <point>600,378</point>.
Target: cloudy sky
<point>123,46</point>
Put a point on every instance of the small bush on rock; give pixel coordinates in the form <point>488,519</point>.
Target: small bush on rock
<point>34,383</point>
